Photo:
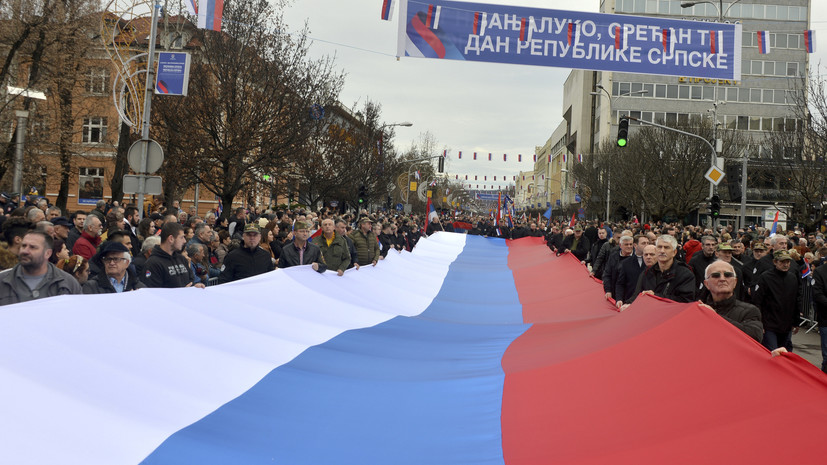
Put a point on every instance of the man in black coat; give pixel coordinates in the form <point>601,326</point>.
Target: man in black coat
<point>668,278</point>
<point>700,261</point>
<point>113,259</point>
<point>166,266</point>
<point>720,282</point>
<point>247,260</point>
<point>612,269</point>
<point>820,299</point>
<point>630,270</point>
<point>778,294</point>
<point>577,244</point>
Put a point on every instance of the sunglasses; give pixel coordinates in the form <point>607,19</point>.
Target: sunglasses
<point>717,274</point>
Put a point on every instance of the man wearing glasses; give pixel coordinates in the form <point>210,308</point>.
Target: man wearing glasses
<point>720,280</point>
<point>114,259</point>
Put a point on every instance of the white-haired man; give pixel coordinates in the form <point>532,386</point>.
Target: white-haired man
<point>668,278</point>
<point>114,259</point>
<point>720,279</point>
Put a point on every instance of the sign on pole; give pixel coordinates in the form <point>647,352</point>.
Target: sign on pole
<point>173,73</point>
<point>714,175</point>
<point>131,184</point>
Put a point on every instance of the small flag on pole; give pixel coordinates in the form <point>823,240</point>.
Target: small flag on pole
<point>505,157</point>
<point>523,30</point>
<point>810,41</point>
<point>211,15</point>
<point>475,155</point>
<point>460,155</point>
<point>620,39</point>
<point>387,9</point>
<point>480,20</point>
<point>716,42</point>
<point>774,224</point>
<point>489,156</point>
<point>763,42</point>
<point>192,7</point>
<point>519,157</point>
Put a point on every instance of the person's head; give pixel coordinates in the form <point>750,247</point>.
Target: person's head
<point>737,247</point>
<point>301,231</point>
<point>77,266</point>
<point>209,218</point>
<point>328,227</point>
<point>34,253</point>
<point>116,260</point>
<point>46,227</point>
<point>778,242</point>
<point>100,205</point>
<point>188,233</point>
<point>641,241</point>
<point>627,245</point>
<point>92,226</point>
<point>42,204</point>
<point>203,232</point>
<point>667,247</point>
<point>196,252</point>
<point>650,253</point>
<point>759,250</point>
<point>119,235</point>
<point>578,231</point>
<point>78,218</point>
<point>341,227</point>
<point>724,252</point>
<point>709,244</point>
<point>172,237</point>
<point>52,213</point>
<point>182,217</point>
<point>252,236</point>
<point>131,215</point>
<point>146,228</point>
<point>781,259</point>
<point>148,244</point>
<point>377,228</point>
<point>224,237</point>
<point>720,280</point>
<point>601,233</point>
<point>365,225</point>
<point>35,215</point>
<point>59,252</point>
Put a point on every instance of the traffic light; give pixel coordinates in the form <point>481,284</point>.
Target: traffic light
<point>362,195</point>
<point>715,206</point>
<point>441,165</point>
<point>623,132</point>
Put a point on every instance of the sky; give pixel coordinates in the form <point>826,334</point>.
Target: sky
<point>465,106</point>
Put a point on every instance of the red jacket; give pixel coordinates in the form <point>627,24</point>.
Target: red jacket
<point>86,245</point>
<point>691,246</point>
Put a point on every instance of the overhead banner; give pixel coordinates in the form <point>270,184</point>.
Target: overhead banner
<point>569,39</point>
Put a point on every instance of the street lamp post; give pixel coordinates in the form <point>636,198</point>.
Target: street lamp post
<point>608,184</point>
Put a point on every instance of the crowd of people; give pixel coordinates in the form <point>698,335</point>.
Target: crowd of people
<point>760,282</point>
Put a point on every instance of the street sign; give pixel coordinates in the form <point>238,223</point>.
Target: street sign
<point>152,186</point>
<point>714,175</point>
<point>173,73</point>
<point>577,198</point>
<point>400,207</point>
<point>154,156</point>
<point>413,186</point>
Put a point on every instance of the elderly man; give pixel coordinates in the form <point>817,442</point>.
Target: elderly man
<point>778,294</point>
<point>300,251</point>
<point>630,270</point>
<point>612,269</point>
<point>334,247</point>
<point>89,240</point>
<point>62,227</point>
<point>366,243</point>
<point>34,277</point>
<point>248,260</point>
<point>766,263</point>
<point>114,259</point>
<point>720,280</point>
<point>577,244</point>
<point>650,255</point>
<point>700,261</point>
<point>668,278</point>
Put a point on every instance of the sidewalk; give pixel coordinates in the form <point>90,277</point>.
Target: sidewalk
<point>808,346</point>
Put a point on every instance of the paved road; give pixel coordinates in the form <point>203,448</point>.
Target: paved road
<point>808,346</point>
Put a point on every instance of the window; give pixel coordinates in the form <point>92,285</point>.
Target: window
<point>672,91</point>
<point>792,69</point>
<point>782,13</point>
<point>660,90</point>
<point>769,68</point>
<point>743,123</point>
<point>748,39</point>
<point>709,93</point>
<point>779,96</point>
<point>755,95</point>
<point>771,11</point>
<point>780,41</point>
<point>97,81</point>
<point>94,130</point>
<point>697,92</point>
<point>754,123</point>
<point>732,94</point>
<point>650,90</point>
<point>683,92</point>
<point>768,96</point>
<point>90,185</point>
<point>756,67</point>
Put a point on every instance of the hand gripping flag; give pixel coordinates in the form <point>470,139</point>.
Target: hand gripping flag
<point>763,42</point>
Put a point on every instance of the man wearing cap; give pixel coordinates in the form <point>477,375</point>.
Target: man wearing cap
<point>333,247</point>
<point>300,251</point>
<point>759,250</point>
<point>12,203</point>
<point>114,259</point>
<point>766,263</point>
<point>62,228</point>
<point>778,294</point>
<point>248,260</point>
<point>34,277</point>
<point>366,243</point>
<point>720,281</point>
<point>577,244</point>
<point>166,266</point>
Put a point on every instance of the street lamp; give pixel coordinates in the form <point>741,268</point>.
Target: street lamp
<point>22,117</point>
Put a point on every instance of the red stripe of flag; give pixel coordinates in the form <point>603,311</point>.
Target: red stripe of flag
<point>430,16</point>
<point>522,30</point>
<point>665,40</point>
<point>712,41</point>
<point>570,32</point>
<point>476,22</point>
<point>617,37</point>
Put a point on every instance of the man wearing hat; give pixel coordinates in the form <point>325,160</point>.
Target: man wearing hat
<point>366,243</point>
<point>114,259</point>
<point>778,294</point>
<point>248,260</point>
<point>300,251</point>
<point>62,227</point>
<point>577,244</point>
<point>12,203</point>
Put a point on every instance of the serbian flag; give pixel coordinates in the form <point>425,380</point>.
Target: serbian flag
<point>774,224</point>
<point>810,41</point>
<point>432,17</point>
<point>806,271</point>
<point>716,42</point>
<point>505,157</point>
<point>192,7</point>
<point>668,37</point>
<point>387,10</point>
<point>480,20</point>
<point>523,28</point>
<point>210,15</point>
<point>564,157</point>
<point>417,175</point>
<point>475,155</point>
<point>573,33</point>
<point>535,157</point>
<point>763,42</point>
<point>460,155</point>
<point>620,38</point>
<point>489,157</point>
<point>571,223</point>
<point>579,158</point>
<point>519,157</point>
<point>490,347</point>
<point>549,158</point>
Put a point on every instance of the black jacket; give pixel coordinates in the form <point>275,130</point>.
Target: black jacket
<point>630,270</point>
<point>100,284</point>
<point>612,270</point>
<point>312,254</point>
<point>165,270</point>
<point>677,283</point>
<point>698,264</point>
<point>820,294</point>
<point>244,262</point>
<point>742,315</point>
<point>778,295</point>
<point>582,249</point>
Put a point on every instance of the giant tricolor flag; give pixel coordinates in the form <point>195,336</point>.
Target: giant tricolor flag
<point>493,352</point>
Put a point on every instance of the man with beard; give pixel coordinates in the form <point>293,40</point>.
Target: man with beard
<point>167,267</point>
<point>34,277</point>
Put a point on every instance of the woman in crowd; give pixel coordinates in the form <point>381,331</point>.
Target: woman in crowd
<point>76,266</point>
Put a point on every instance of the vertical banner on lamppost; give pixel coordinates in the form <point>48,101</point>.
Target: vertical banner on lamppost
<point>173,73</point>
<point>568,39</point>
